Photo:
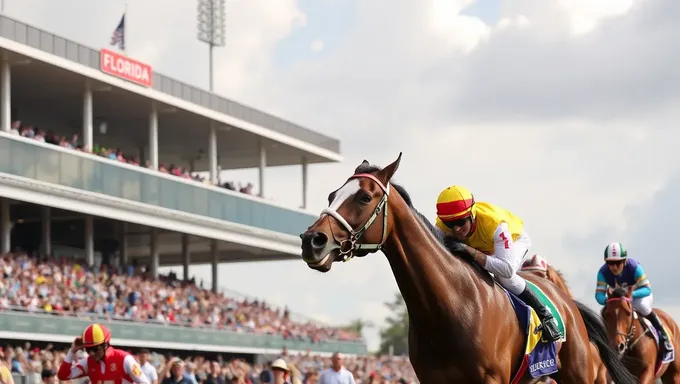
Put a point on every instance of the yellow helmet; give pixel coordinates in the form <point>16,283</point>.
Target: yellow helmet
<point>455,203</point>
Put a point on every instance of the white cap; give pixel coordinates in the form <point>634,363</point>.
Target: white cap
<point>280,364</point>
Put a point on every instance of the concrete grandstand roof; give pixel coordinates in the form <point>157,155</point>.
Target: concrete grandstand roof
<point>52,96</point>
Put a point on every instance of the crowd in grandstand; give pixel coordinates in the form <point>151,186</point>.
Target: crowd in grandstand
<point>73,142</point>
<point>63,287</point>
<point>35,364</point>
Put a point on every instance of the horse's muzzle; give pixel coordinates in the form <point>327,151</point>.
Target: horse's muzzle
<point>317,250</point>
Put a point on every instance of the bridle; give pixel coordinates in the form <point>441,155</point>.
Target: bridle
<point>349,246</point>
<point>628,336</point>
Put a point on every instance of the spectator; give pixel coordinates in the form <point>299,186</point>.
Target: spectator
<point>49,376</point>
<point>336,374</point>
<point>148,369</point>
<point>280,372</point>
<point>176,376</point>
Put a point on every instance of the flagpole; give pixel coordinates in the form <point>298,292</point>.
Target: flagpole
<point>125,34</point>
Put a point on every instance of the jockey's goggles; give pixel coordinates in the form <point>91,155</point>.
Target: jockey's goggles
<point>456,223</point>
<point>615,262</point>
<point>93,349</point>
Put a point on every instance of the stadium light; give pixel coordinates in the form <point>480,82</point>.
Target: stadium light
<point>211,28</point>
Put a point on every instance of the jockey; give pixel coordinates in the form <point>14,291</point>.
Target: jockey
<point>620,270</point>
<point>115,366</point>
<point>495,239</point>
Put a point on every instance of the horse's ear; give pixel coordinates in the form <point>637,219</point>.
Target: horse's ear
<point>386,173</point>
<point>630,291</point>
<point>363,164</point>
<point>609,291</point>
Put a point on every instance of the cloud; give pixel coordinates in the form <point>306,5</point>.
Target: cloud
<point>317,45</point>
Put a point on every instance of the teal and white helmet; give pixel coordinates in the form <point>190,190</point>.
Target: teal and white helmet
<point>615,252</point>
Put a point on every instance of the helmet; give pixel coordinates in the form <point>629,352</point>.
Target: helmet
<point>615,252</point>
<point>95,334</point>
<point>455,203</point>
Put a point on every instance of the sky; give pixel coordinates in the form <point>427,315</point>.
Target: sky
<point>562,111</point>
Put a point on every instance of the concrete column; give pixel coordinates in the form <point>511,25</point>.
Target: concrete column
<point>6,94</point>
<point>89,240</point>
<point>123,245</point>
<point>153,244</point>
<point>263,165</point>
<point>186,256</point>
<point>304,183</point>
<point>87,117</point>
<point>212,153</point>
<point>46,238</point>
<point>213,258</point>
<point>5,225</point>
<point>153,137</point>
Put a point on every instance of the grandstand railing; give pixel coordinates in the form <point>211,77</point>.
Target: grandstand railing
<point>60,324</point>
<point>53,164</point>
<point>70,50</point>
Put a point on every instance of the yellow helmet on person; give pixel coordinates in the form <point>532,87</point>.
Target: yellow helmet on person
<point>95,334</point>
<point>455,203</point>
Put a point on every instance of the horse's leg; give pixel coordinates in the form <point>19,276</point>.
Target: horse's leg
<point>647,376</point>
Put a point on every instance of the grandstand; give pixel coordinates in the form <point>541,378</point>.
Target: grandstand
<point>99,157</point>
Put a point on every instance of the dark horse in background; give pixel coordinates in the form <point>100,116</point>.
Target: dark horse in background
<point>463,327</point>
<point>540,267</point>
<point>637,339</point>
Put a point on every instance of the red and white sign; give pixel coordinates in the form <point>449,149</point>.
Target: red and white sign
<point>125,68</point>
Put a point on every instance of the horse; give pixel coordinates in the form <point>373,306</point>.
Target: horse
<point>463,327</point>
<point>540,267</point>
<point>636,338</point>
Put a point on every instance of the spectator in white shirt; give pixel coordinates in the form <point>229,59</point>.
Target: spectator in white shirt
<point>337,374</point>
<point>148,369</point>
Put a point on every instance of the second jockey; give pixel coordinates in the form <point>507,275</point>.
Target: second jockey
<point>620,270</point>
<point>496,240</point>
<point>104,364</point>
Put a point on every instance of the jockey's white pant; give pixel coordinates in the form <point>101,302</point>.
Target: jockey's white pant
<point>643,305</point>
<point>505,269</point>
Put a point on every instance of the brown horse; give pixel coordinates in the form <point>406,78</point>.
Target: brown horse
<point>462,325</point>
<point>540,267</point>
<point>635,339</point>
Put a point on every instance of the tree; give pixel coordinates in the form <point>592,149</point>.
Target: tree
<point>395,335</point>
<point>358,325</point>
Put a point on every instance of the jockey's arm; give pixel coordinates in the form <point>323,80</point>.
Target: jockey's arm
<point>601,289</point>
<point>133,369</point>
<point>69,371</point>
<point>642,286</point>
<point>501,264</point>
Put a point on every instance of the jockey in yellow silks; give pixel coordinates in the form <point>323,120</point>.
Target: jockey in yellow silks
<point>495,239</point>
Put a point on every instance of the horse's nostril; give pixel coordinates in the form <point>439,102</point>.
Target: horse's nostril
<point>319,240</point>
<point>622,347</point>
<point>316,240</point>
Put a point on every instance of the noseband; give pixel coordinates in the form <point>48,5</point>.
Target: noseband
<point>349,246</point>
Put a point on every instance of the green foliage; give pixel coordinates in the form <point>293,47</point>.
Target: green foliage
<point>395,334</point>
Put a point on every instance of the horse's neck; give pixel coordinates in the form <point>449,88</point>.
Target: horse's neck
<point>435,285</point>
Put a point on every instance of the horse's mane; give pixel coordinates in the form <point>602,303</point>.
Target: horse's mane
<point>560,274</point>
<point>618,292</point>
<point>438,234</point>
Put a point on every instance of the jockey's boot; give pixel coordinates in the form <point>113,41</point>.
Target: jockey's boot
<point>665,340</point>
<point>548,322</point>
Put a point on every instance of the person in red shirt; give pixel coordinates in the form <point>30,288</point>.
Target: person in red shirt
<point>105,364</point>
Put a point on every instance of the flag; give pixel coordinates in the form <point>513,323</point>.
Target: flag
<point>118,36</point>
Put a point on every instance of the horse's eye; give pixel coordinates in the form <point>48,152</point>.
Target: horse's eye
<point>365,198</point>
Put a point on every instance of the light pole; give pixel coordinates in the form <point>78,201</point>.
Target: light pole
<point>211,28</point>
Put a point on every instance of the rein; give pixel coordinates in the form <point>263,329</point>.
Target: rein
<point>628,345</point>
<point>349,246</point>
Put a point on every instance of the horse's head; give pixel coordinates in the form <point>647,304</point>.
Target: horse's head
<point>618,317</point>
<point>352,225</point>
